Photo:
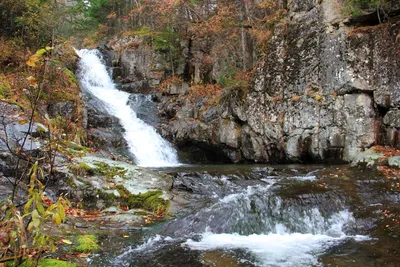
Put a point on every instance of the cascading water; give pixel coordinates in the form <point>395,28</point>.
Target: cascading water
<point>148,147</point>
<point>251,220</point>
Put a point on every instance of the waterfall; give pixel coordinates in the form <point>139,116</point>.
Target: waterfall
<point>148,147</point>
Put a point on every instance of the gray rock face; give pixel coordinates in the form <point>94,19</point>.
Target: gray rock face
<point>392,118</point>
<point>145,108</point>
<point>136,66</point>
<point>326,91</point>
<point>104,129</point>
<point>16,132</point>
<point>394,161</point>
<point>177,89</point>
<point>63,109</point>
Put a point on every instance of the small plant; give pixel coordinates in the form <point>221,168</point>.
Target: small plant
<point>87,244</point>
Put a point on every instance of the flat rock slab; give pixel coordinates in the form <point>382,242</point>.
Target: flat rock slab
<point>368,158</point>
<point>394,161</point>
<point>136,179</point>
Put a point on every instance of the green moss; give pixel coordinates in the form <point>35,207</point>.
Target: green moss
<point>150,201</point>
<point>82,169</point>
<point>5,87</point>
<point>84,166</point>
<point>48,263</point>
<point>108,171</point>
<point>124,193</point>
<point>41,130</point>
<point>78,147</point>
<point>62,96</point>
<point>87,244</point>
<point>13,102</point>
<point>110,199</point>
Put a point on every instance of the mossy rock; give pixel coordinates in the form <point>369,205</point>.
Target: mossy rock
<point>123,192</point>
<point>108,171</point>
<point>48,263</point>
<point>82,169</point>
<point>78,147</point>
<point>150,201</point>
<point>87,244</point>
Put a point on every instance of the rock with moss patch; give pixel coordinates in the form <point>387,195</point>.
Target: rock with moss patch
<point>151,201</point>
<point>105,183</point>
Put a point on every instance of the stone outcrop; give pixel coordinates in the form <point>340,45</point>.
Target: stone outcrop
<point>328,89</point>
<point>103,130</point>
<point>135,67</point>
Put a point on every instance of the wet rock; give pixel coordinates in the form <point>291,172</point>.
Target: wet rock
<point>392,124</point>
<point>139,87</point>
<point>145,108</point>
<point>97,113</point>
<point>394,161</point>
<point>298,6</point>
<point>359,120</point>
<point>103,129</point>
<point>316,96</point>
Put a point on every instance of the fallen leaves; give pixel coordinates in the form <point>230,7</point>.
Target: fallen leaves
<point>389,173</point>
<point>387,151</point>
<point>88,215</point>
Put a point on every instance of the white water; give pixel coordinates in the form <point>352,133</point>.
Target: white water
<point>281,248</point>
<point>148,147</point>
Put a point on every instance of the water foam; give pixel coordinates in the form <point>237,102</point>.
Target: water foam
<point>148,147</point>
<point>281,248</point>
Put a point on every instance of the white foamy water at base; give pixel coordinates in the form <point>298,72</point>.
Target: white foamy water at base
<point>148,147</point>
<point>281,248</point>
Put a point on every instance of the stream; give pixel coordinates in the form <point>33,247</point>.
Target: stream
<point>246,215</point>
<point>252,215</point>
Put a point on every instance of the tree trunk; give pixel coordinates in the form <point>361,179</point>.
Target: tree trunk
<point>246,51</point>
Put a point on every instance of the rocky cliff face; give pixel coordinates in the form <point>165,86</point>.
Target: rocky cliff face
<point>327,88</point>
